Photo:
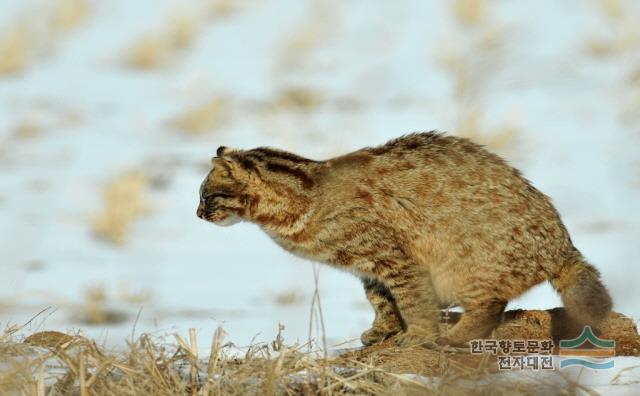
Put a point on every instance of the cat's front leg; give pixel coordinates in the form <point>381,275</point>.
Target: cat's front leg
<point>388,321</point>
<point>412,290</point>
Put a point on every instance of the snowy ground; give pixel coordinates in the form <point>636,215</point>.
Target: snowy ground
<point>382,69</point>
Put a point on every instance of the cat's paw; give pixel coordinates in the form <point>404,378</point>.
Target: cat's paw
<point>375,335</point>
<point>451,345</point>
<point>416,338</point>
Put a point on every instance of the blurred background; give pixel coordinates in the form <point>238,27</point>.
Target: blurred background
<point>111,109</point>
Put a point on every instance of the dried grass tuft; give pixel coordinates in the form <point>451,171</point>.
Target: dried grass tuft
<point>627,39</point>
<point>223,8</point>
<point>16,49</point>
<point>95,310</point>
<point>299,98</point>
<point>67,15</point>
<point>301,44</point>
<point>634,77</point>
<point>137,297</point>
<point>600,48</point>
<point>28,129</point>
<point>492,38</point>
<point>124,202</point>
<point>151,51</point>
<point>202,118</point>
<point>500,139</point>
<point>57,363</point>
<point>321,24</point>
<point>34,33</point>
<point>625,31</point>
<point>612,9</point>
<point>182,31</point>
<point>465,76</point>
<point>147,52</point>
<point>290,297</point>
<point>631,112</point>
<point>470,12</point>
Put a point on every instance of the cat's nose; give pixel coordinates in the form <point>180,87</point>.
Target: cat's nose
<point>200,210</point>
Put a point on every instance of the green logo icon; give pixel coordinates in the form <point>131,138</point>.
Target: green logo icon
<point>599,357</point>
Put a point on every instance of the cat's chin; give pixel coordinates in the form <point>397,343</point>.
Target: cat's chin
<point>226,221</point>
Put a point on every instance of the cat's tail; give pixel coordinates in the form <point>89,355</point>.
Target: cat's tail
<point>585,298</point>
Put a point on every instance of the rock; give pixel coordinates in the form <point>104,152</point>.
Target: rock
<point>516,325</point>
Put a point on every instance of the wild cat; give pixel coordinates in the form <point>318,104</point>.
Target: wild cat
<point>425,220</point>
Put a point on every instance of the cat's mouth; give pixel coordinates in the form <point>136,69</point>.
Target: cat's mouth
<point>213,216</point>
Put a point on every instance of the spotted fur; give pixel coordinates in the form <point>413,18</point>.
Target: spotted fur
<point>425,220</point>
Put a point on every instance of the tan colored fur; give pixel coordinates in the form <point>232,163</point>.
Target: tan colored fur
<point>425,220</point>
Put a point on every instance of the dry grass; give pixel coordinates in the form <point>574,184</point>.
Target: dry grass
<point>631,112</point>
<point>290,297</point>
<point>71,364</point>
<point>473,62</point>
<point>612,9</point>
<point>147,52</point>
<point>470,12</point>
<point>28,129</point>
<point>223,8</point>
<point>634,78</point>
<point>461,72</point>
<point>67,15</point>
<point>301,44</point>
<point>34,32</point>
<point>57,363</point>
<point>500,139</point>
<point>95,311</point>
<point>153,50</point>
<point>622,43</point>
<point>627,39</point>
<point>124,202</point>
<point>129,296</point>
<point>299,98</point>
<point>470,70</point>
<point>599,48</point>
<point>203,117</point>
<point>492,38</point>
<point>183,30</point>
<point>318,28</point>
<point>43,118</point>
<point>16,49</point>
<point>625,31</point>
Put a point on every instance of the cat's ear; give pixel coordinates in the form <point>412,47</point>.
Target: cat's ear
<point>223,151</point>
<point>225,164</point>
<point>222,155</point>
<point>222,161</point>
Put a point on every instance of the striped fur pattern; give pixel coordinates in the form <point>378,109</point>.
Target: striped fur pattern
<point>425,220</point>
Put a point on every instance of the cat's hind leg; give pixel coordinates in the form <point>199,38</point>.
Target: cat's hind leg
<point>480,317</point>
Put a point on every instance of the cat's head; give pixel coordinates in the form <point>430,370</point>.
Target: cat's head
<point>262,184</point>
<point>223,196</point>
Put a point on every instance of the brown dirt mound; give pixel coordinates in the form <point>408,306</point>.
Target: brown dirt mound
<point>517,325</point>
